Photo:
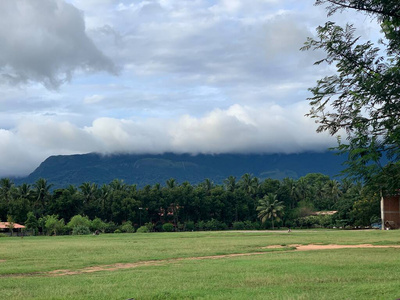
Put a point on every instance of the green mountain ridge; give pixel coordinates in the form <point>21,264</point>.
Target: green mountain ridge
<point>143,169</point>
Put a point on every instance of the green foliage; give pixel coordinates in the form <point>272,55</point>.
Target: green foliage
<point>98,224</point>
<point>79,220</point>
<point>3,235</point>
<point>31,222</point>
<point>200,225</point>
<point>361,98</point>
<point>189,226</point>
<point>238,226</point>
<point>270,209</point>
<point>214,224</point>
<point>168,227</point>
<point>208,206</point>
<point>117,231</point>
<point>143,229</point>
<point>80,230</point>
<point>52,224</point>
<point>127,227</point>
<point>150,226</point>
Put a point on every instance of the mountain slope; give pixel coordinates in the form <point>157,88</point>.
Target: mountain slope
<point>149,169</point>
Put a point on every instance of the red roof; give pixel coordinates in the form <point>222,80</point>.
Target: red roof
<point>4,225</point>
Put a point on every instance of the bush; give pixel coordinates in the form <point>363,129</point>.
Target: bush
<point>52,224</point>
<point>214,224</point>
<point>200,225</point>
<point>142,229</point>
<point>127,227</point>
<point>80,230</point>
<point>189,226</point>
<point>78,220</point>
<point>98,224</point>
<point>238,225</point>
<point>3,235</point>
<point>117,231</point>
<point>110,227</point>
<point>248,225</point>
<point>150,226</point>
<point>168,227</point>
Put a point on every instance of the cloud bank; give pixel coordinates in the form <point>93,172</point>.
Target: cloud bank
<point>45,41</point>
<point>238,129</point>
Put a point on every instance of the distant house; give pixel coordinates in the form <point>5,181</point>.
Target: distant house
<point>324,213</point>
<point>5,227</point>
<point>390,211</point>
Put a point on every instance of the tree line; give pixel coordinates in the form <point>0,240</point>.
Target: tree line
<point>244,203</point>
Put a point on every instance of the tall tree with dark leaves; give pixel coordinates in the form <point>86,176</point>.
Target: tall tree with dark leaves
<point>361,99</point>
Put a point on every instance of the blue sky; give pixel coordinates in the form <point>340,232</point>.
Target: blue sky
<point>153,76</point>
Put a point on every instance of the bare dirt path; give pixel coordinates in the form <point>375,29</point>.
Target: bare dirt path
<point>329,246</point>
<point>120,266</point>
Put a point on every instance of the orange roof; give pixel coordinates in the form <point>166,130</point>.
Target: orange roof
<point>4,225</point>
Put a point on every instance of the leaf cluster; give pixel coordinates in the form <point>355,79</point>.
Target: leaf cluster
<point>361,100</point>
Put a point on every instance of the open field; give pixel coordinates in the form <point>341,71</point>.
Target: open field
<point>202,265</point>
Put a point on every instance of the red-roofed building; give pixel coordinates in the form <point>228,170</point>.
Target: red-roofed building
<point>5,227</point>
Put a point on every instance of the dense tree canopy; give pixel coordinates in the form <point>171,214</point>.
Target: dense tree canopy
<point>362,97</point>
<point>249,203</point>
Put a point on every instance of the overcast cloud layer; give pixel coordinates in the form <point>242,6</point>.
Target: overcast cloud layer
<point>151,76</point>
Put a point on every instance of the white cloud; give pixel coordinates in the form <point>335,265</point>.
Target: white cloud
<point>238,129</point>
<point>45,42</point>
<point>93,99</point>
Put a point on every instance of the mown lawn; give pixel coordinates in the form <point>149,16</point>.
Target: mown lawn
<point>276,274</point>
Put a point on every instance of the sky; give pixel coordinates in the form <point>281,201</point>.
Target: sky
<point>154,76</point>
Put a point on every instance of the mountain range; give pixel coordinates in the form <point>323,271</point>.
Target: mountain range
<point>142,169</point>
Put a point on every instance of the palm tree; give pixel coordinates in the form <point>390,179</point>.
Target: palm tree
<point>245,183</point>
<point>270,208</point>
<point>230,183</point>
<point>333,191</point>
<point>89,191</point>
<point>207,186</point>
<point>42,192</point>
<point>6,186</point>
<point>289,187</point>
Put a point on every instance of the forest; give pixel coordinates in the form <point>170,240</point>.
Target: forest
<point>312,201</point>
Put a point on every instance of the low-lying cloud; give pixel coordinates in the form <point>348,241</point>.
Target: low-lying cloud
<point>238,129</point>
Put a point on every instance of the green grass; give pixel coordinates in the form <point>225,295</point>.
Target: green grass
<point>277,274</point>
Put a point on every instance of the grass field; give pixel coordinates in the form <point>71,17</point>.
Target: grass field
<point>182,266</point>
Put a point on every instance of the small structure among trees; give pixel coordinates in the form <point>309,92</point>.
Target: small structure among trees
<point>390,210</point>
<point>9,227</point>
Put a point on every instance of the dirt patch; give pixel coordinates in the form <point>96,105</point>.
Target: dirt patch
<point>121,266</point>
<point>2,260</point>
<point>327,247</point>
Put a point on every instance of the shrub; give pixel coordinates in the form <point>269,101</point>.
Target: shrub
<point>117,231</point>
<point>127,227</point>
<point>256,225</point>
<point>150,226</point>
<point>200,225</point>
<point>52,224</point>
<point>189,226</point>
<point>168,227</point>
<point>142,229</point>
<point>31,223</point>
<point>3,235</point>
<point>111,227</point>
<point>80,230</point>
<point>238,225</point>
<point>214,224</point>
<point>79,220</point>
<point>98,224</point>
